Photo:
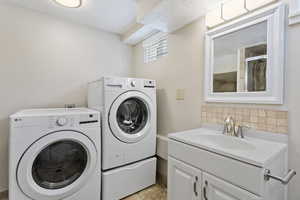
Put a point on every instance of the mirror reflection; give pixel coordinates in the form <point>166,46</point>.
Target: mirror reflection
<point>240,60</point>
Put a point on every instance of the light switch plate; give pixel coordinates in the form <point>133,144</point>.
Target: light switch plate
<point>180,94</point>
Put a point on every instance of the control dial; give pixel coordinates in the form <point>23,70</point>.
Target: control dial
<point>132,83</point>
<point>61,121</point>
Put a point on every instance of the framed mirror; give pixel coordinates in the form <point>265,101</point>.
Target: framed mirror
<point>245,59</point>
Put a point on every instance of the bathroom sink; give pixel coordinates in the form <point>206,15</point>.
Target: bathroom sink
<point>249,149</point>
<point>225,142</point>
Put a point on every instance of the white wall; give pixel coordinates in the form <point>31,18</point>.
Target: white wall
<point>47,62</point>
<point>180,69</point>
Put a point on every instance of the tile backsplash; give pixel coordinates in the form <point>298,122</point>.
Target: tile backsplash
<point>268,120</point>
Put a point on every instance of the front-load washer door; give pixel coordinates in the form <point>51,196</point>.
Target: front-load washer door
<point>130,116</point>
<point>57,165</point>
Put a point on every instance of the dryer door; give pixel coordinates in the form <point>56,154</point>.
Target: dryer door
<point>130,116</point>
<point>57,165</point>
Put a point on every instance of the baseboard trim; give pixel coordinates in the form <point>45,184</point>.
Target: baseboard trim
<point>4,194</point>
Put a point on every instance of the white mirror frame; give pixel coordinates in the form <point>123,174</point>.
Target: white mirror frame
<point>275,16</point>
<point>294,12</point>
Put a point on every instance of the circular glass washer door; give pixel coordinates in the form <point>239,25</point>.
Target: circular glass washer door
<point>57,165</point>
<point>130,116</point>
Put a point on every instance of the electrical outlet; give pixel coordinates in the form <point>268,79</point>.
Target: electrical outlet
<point>73,105</point>
<point>180,94</point>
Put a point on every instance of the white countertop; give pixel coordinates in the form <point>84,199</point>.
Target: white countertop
<point>251,150</point>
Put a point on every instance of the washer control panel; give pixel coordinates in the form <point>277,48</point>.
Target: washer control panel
<point>60,121</point>
<point>89,119</point>
<point>69,119</point>
<point>149,84</point>
<point>73,121</point>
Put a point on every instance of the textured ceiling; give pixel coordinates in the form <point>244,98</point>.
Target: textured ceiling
<point>110,15</point>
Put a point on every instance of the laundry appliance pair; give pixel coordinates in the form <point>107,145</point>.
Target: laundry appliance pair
<point>56,154</point>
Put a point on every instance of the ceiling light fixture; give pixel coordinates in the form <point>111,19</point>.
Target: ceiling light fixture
<point>233,9</point>
<point>69,3</point>
<point>252,5</point>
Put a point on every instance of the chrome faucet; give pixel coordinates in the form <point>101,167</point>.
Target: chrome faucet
<point>231,128</point>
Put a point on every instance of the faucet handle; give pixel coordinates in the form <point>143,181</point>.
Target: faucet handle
<point>228,119</point>
<point>239,130</point>
<point>229,125</point>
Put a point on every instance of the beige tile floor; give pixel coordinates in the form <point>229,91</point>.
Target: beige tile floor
<point>156,192</point>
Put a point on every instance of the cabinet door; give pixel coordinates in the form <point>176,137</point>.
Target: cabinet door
<point>184,181</point>
<point>217,189</point>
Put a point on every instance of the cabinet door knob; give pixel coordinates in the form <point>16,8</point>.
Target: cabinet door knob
<point>195,186</point>
<point>205,191</point>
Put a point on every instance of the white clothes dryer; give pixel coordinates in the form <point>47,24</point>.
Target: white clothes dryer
<point>55,154</point>
<point>128,109</point>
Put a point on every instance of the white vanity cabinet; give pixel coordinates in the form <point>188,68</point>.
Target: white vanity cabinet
<point>189,183</point>
<point>185,181</point>
<point>207,166</point>
<point>217,189</point>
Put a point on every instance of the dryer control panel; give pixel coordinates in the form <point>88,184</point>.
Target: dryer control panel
<point>128,83</point>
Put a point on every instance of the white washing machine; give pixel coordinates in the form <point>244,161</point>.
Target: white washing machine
<point>55,154</point>
<point>128,109</point>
